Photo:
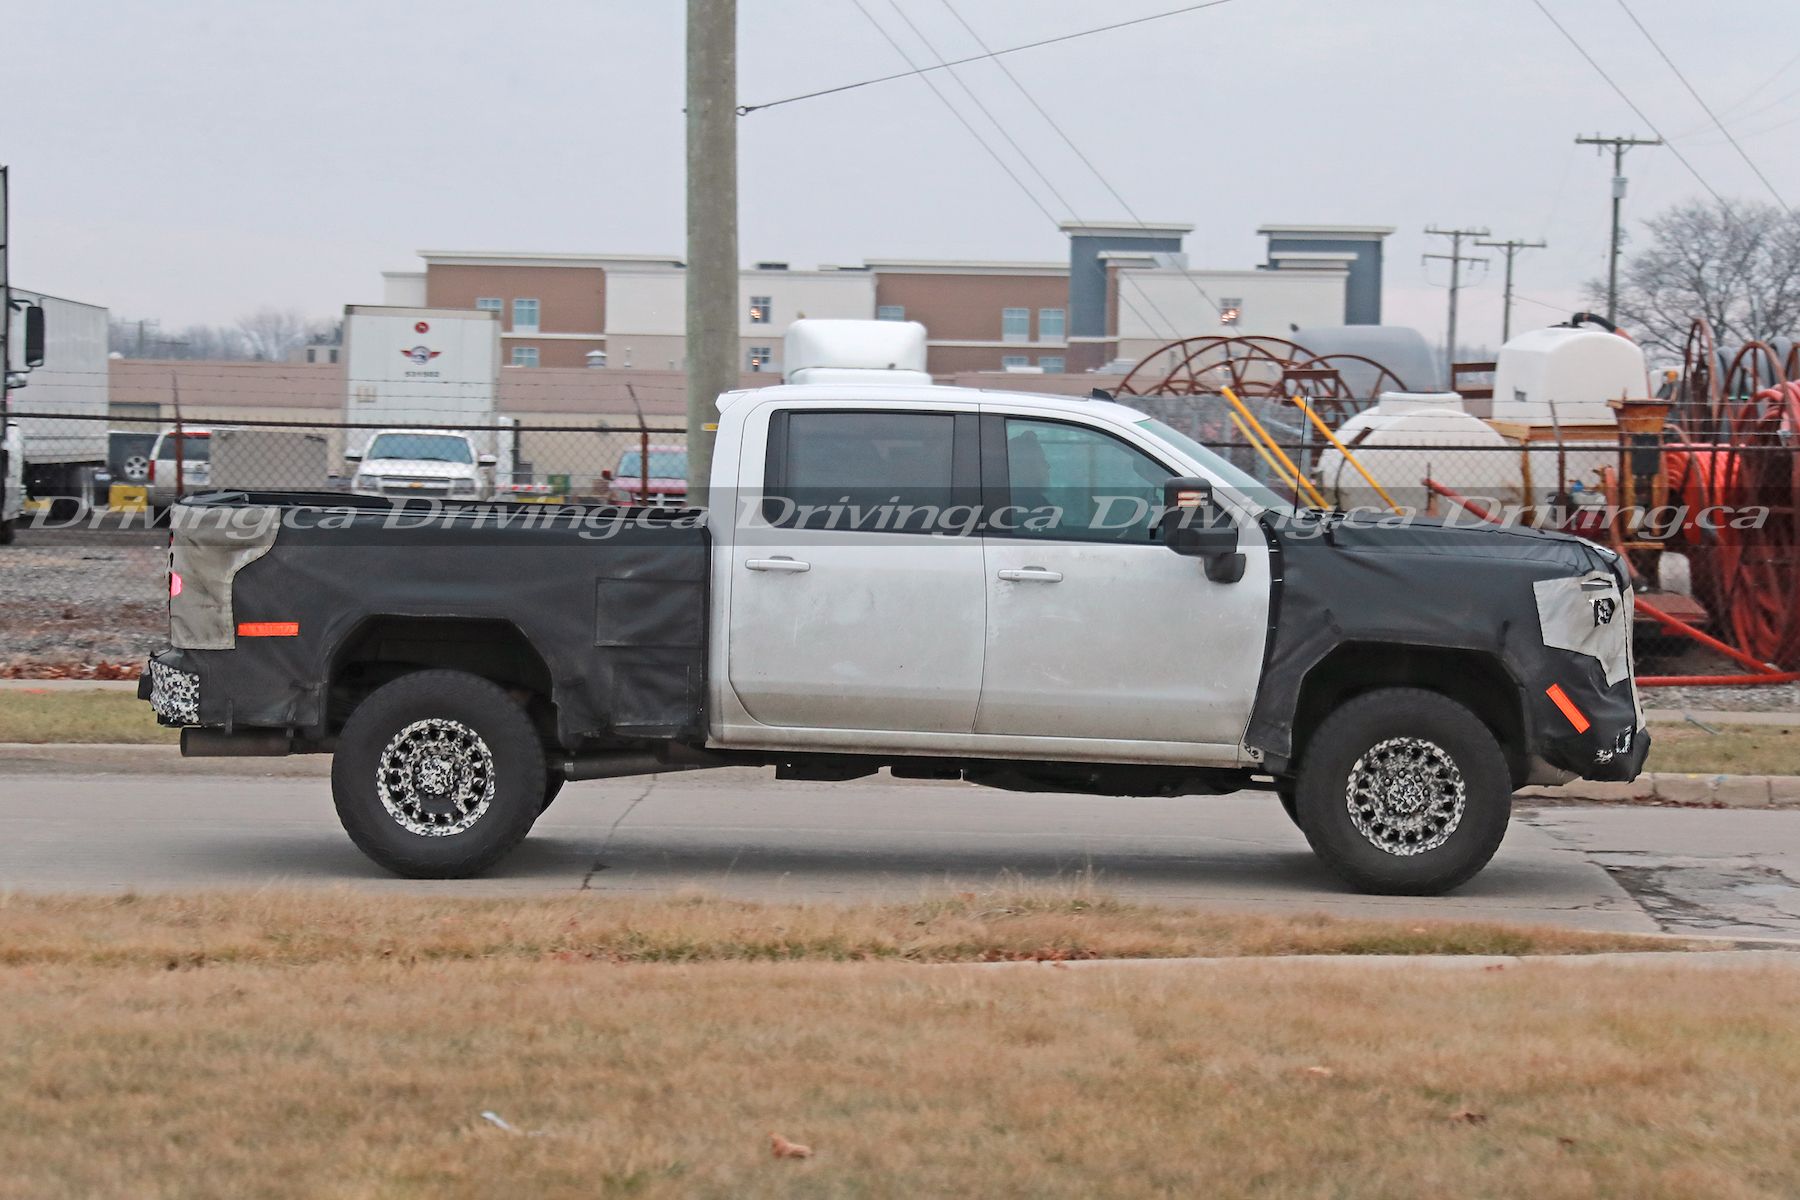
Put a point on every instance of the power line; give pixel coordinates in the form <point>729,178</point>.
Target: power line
<point>983,142</point>
<point>1456,258</point>
<point>1601,71</point>
<point>1070,143</point>
<point>1705,107</point>
<point>747,109</point>
<point>1174,330</point>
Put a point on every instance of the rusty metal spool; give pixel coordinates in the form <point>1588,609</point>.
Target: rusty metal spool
<point>1699,398</point>
<point>1260,367</point>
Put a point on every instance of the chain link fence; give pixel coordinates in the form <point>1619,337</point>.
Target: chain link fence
<point>1712,525</point>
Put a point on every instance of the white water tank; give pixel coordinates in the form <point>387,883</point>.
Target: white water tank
<point>818,350</point>
<point>1397,441</point>
<point>1566,373</point>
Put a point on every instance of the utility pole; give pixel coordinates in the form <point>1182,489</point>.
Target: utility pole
<point>1619,146</point>
<point>712,260</point>
<point>1456,259</point>
<point>1510,248</point>
<point>5,305</point>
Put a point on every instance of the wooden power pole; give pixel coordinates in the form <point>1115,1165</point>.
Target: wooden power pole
<point>1510,248</point>
<point>1619,146</point>
<point>712,256</point>
<point>1456,259</point>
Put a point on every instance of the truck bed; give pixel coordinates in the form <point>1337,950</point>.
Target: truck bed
<point>284,605</point>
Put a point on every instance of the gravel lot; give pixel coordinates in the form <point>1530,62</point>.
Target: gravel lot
<point>82,597</point>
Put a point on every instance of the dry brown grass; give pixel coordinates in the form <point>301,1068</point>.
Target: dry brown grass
<point>1733,750</point>
<point>99,715</point>
<point>1075,921</point>
<point>368,1078</point>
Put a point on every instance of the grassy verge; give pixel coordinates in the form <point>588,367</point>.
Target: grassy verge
<point>308,928</point>
<point>330,1055</point>
<point>1733,750</point>
<point>100,715</point>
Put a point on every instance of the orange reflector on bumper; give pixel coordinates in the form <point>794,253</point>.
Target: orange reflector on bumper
<point>1561,699</point>
<point>269,629</point>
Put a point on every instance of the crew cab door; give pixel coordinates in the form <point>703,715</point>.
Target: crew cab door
<point>845,611</point>
<point>1095,629</point>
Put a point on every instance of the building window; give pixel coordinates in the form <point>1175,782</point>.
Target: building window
<point>524,356</point>
<point>1052,364</point>
<point>890,312</point>
<point>489,304</point>
<point>1230,309</point>
<point>1052,322</point>
<point>525,316</point>
<point>760,308</point>
<point>1015,324</point>
<point>1009,361</point>
<point>759,358</point>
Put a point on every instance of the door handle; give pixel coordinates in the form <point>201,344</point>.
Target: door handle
<point>780,562</point>
<point>1031,575</point>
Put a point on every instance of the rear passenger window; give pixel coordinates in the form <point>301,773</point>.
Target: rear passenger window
<point>867,471</point>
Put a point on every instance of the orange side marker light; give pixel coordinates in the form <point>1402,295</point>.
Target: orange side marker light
<point>1561,699</point>
<point>268,629</point>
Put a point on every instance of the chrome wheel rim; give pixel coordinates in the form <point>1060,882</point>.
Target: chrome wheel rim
<point>436,777</point>
<point>1406,795</point>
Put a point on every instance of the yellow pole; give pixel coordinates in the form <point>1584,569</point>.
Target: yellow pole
<point>1279,471</point>
<point>1306,486</point>
<point>1344,450</point>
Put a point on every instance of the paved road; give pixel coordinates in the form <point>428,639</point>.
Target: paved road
<point>741,832</point>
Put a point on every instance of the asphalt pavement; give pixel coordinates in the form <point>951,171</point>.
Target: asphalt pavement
<point>144,820</point>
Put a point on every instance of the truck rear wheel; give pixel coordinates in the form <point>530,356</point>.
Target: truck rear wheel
<point>438,775</point>
<point>1404,792</point>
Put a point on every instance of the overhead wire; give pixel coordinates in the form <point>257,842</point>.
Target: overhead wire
<point>746,109</point>
<point>981,141</point>
<point>1704,106</point>
<point>1631,104</point>
<point>1069,142</point>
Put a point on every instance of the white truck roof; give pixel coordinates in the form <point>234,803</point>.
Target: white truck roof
<point>935,393</point>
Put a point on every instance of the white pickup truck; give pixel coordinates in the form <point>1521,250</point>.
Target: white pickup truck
<point>424,463</point>
<point>1037,593</point>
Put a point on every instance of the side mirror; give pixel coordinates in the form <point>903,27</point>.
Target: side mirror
<point>353,456</point>
<point>34,336</point>
<point>487,460</point>
<point>1194,526</point>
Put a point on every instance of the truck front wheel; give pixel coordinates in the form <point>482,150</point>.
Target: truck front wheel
<point>1404,792</point>
<point>438,775</point>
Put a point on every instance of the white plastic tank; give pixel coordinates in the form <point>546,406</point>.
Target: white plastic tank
<point>818,350</point>
<point>1568,374</point>
<point>1397,439</point>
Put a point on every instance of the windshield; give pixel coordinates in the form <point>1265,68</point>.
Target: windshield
<point>1257,492</point>
<point>664,464</point>
<point>431,447</point>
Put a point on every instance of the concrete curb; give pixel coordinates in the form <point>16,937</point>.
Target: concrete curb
<point>1705,791</point>
<point>1701,959</point>
<point>68,685</point>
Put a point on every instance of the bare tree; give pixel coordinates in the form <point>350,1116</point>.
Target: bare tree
<point>1736,264</point>
<point>272,332</point>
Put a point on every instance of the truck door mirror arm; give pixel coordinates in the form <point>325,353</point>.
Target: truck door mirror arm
<point>1194,526</point>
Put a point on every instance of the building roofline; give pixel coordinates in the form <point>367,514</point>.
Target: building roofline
<point>951,266</point>
<point>1124,228</point>
<point>1360,233</point>
<point>525,258</point>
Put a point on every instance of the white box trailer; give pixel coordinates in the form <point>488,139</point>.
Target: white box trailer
<point>63,456</point>
<point>411,367</point>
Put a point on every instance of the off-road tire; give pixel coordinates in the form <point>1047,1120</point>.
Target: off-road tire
<point>455,699</point>
<point>1289,805</point>
<point>1414,718</point>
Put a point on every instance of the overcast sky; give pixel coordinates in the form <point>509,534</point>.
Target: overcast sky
<point>195,159</point>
